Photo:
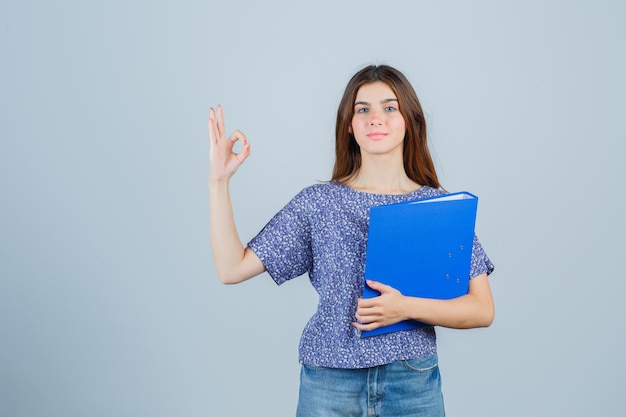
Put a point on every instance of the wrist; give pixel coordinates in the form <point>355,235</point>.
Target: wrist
<point>410,308</point>
<point>218,182</point>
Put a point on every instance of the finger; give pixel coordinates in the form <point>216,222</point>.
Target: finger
<point>213,135</point>
<point>375,285</point>
<point>220,121</point>
<point>245,151</point>
<point>364,303</point>
<point>365,326</point>
<point>238,135</point>
<point>371,302</point>
<point>364,318</point>
<point>244,154</point>
<point>379,286</point>
<point>367,314</point>
<point>212,127</point>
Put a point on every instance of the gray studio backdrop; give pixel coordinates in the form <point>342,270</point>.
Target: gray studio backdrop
<point>109,302</point>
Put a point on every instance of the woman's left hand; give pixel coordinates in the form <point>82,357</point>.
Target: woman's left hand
<point>474,309</point>
<point>388,308</point>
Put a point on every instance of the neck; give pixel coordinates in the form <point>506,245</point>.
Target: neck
<point>382,176</point>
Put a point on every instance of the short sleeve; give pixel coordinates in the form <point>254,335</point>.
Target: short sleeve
<point>481,263</point>
<point>284,244</point>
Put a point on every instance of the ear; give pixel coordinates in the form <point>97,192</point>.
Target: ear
<point>350,129</point>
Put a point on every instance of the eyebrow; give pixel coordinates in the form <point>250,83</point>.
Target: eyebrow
<point>382,102</point>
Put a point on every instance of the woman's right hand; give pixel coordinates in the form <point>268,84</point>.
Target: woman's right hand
<point>223,161</point>
<point>234,262</point>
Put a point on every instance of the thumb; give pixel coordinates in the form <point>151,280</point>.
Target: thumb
<point>379,286</point>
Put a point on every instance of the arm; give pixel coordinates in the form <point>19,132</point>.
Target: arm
<point>234,262</point>
<point>475,309</point>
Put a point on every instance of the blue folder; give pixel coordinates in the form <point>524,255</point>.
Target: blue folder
<point>423,248</point>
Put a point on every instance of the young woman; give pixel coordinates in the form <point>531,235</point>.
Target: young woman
<point>382,157</point>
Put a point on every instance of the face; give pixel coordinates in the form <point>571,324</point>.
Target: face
<point>377,124</point>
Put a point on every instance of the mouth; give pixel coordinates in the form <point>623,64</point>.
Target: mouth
<point>376,135</point>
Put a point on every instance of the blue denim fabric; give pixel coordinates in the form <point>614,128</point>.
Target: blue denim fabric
<point>401,388</point>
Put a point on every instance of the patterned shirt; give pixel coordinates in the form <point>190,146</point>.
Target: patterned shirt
<point>322,231</point>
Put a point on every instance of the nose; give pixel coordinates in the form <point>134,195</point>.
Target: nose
<point>376,119</point>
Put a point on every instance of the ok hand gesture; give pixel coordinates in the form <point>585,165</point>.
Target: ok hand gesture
<point>223,160</point>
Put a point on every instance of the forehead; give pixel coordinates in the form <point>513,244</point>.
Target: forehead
<point>374,92</point>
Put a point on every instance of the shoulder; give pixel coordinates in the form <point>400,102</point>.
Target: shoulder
<point>309,198</point>
<point>427,191</point>
<point>320,191</point>
<point>321,198</point>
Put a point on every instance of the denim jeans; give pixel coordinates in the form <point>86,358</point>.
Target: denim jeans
<point>401,388</point>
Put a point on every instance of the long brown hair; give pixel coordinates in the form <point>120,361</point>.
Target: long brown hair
<point>418,163</point>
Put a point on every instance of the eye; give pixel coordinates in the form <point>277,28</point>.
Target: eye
<point>390,108</point>
<point>362,110</point>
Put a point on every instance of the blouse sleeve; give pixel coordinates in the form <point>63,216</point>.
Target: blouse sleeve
<point>284,244</point>
<point>480,261</point>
